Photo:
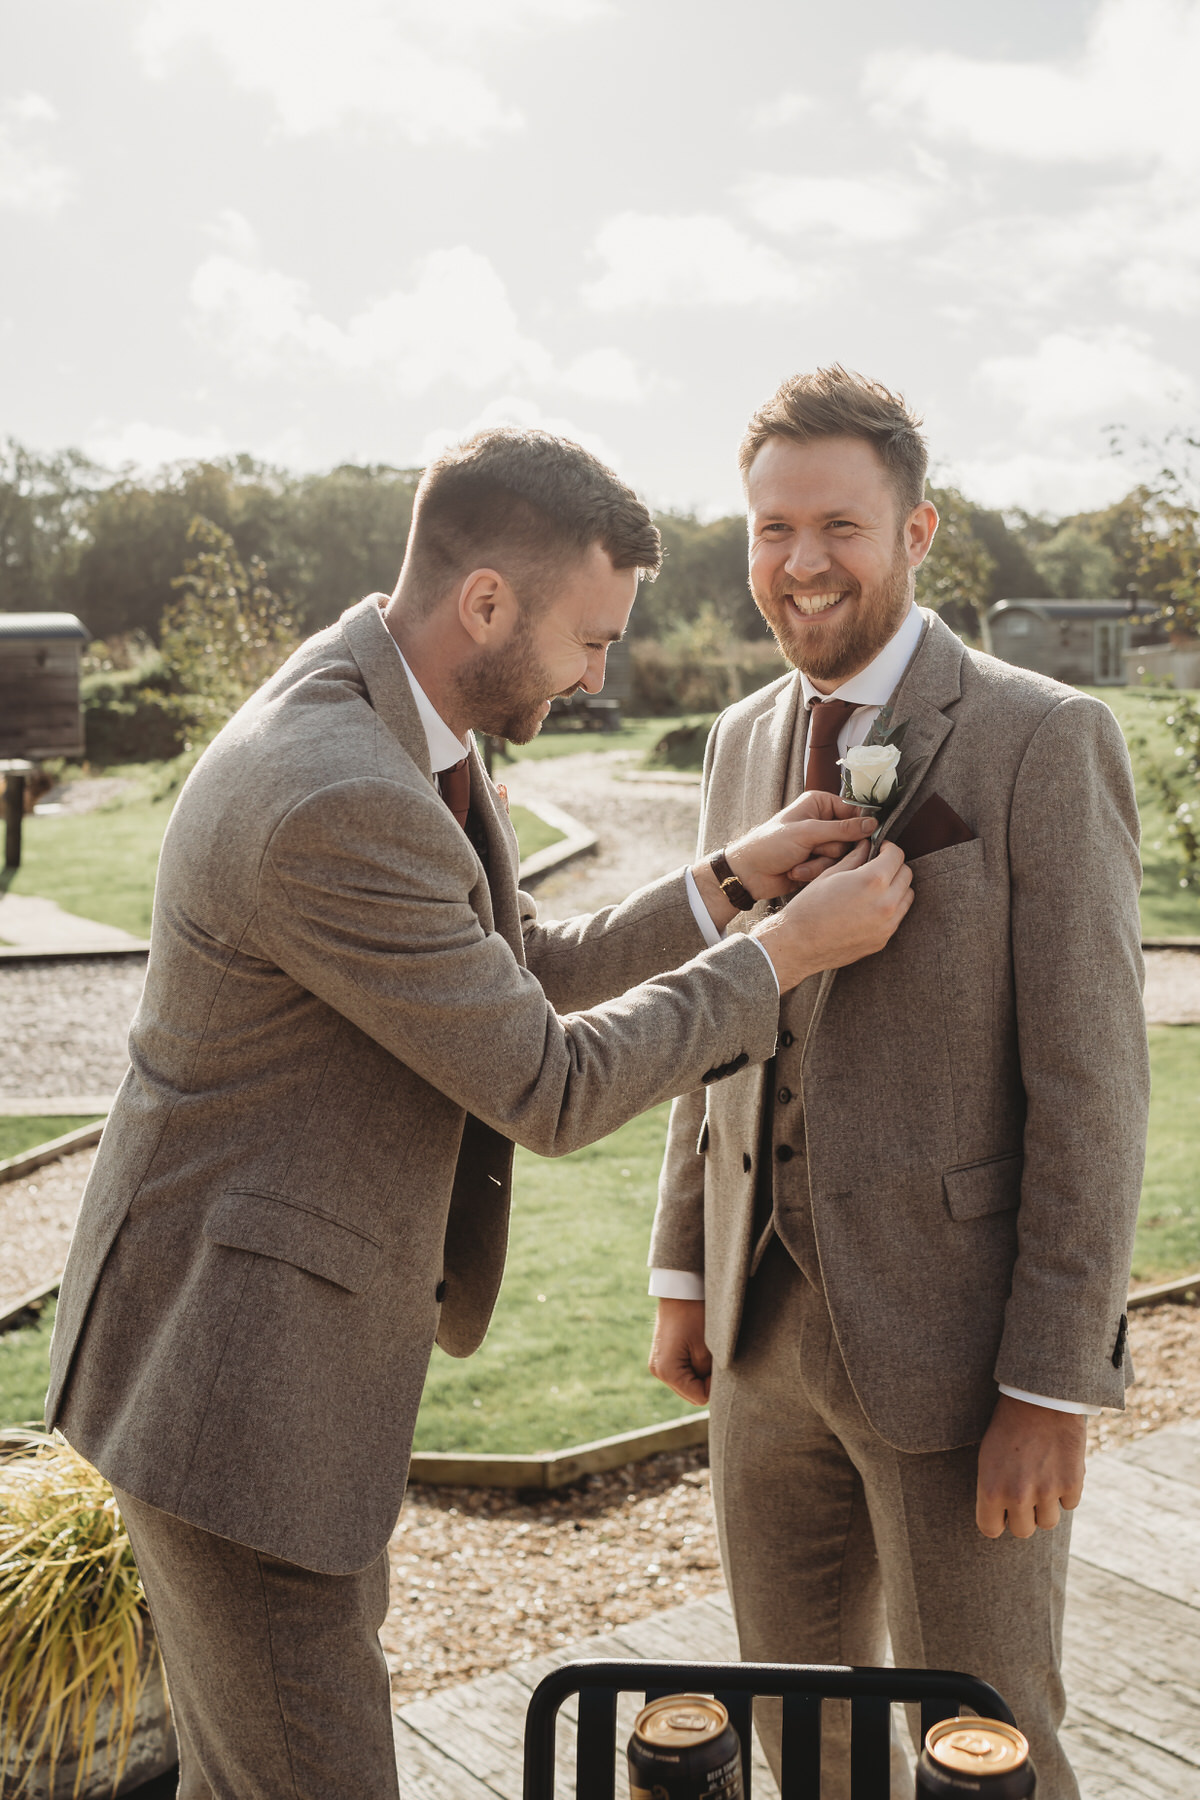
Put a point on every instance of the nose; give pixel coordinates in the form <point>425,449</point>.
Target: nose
<point>593,681</point>
<point>807,557</point>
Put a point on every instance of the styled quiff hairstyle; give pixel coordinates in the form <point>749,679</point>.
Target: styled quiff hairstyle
<point>527,504</point>
<point>834,402</point>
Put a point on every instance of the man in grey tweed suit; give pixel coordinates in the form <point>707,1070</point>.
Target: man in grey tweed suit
<point>898,1256</point>
<point>350,1014</point>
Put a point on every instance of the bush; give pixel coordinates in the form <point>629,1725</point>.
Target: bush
<point>133,715</point>
<point>668,681</point>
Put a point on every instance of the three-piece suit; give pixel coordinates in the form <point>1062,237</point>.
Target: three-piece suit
<point>937,1194</point>
<point>347,1021</point>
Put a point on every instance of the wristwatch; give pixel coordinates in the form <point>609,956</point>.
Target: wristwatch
<point>728,882</point>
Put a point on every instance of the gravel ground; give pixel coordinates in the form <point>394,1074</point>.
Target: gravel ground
<point>66,1021</point>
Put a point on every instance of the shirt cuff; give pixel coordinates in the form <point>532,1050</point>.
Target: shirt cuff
<point>676,1284</point>
<point>1067,1406</point>
<point>700,912</point>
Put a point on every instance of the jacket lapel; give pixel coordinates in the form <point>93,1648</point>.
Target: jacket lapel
<point>503,858</point>
<point>769,758</point>
<point>931,683</point>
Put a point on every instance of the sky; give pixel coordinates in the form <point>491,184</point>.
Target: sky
<point>355,230</point>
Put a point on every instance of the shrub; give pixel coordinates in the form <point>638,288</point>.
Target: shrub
<point>134,714</point>
<point>667,680</point>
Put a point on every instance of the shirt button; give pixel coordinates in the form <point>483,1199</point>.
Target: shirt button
<point>439,1292</point>
<point>784,1153</point>
<point>783,1096</point>
<point>786,1039</point>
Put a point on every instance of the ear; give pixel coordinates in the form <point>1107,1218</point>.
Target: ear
<point>487,608</point>
<point>919,528</point>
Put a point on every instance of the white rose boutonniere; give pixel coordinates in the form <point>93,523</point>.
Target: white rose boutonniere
<point>870,773</point>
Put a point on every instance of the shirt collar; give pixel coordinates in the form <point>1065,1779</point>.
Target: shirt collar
<point>875,685</point>
<point>444,748</point>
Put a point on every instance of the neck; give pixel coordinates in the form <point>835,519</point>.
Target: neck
<point>429,645</point>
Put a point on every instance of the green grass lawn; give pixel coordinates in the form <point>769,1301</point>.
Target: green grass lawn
<point>101,864</point>
<point>565,1359</point>
<point>634,734</point>
<point>1168,910</point>
<point>25,1132</point>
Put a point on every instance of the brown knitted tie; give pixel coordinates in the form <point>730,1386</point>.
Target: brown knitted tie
<point>455,783</point>
<point>825,720</point>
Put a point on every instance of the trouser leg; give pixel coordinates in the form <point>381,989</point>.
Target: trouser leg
<point>792,1521</point>
<point>277,1679</point>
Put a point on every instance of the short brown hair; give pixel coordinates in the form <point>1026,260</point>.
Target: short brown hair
<point>834,402</point>
<point>525,502</point>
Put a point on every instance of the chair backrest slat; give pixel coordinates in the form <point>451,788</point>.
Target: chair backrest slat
<point>739,1705</point>
<point>801,1747</point>
<point>870,1746</point>
<point>594,1769</point>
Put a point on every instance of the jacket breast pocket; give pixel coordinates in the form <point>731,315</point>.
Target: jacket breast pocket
<point>985,1187</point>
<point>267,1225</point>
<point>955,861</point>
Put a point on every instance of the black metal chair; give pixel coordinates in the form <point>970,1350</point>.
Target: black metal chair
<point>802,1687</point>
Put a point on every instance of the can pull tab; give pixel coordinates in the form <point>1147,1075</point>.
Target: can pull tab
<point>977,1744</point>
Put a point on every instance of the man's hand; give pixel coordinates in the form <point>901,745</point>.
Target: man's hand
<point>790,850</point>
<point>1030,1468</point>
<point>679,1355</point>
<point>850,912</point>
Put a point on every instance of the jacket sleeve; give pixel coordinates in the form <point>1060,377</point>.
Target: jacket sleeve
<point>371,913</point>
<point>585,960</point>
<point>677,1238</point>
<point>1077,964</point>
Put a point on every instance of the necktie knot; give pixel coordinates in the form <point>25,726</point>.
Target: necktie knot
<point>825,720</point>
<point>455,785</point>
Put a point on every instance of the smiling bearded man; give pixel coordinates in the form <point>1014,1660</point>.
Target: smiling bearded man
<point>896,1257</point>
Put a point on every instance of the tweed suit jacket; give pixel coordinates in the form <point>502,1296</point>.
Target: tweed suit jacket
<point>974,1097</point>
<point>305,1177</point>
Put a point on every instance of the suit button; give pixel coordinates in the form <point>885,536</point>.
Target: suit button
<point>745,1162</point>
<point>439,1292</point>
<point>786,1039</point>
<point>783,1096</point>
<point>784,1153</point>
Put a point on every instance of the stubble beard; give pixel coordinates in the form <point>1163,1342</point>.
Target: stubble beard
<point>838,650</point>
<point>504,694</point>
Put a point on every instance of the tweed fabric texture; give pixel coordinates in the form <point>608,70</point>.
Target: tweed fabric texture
<point>304,1179</point>
<point>974,1098</point>
<point>831,1539</point>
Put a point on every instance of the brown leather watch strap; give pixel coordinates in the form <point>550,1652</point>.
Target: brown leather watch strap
<point>728,882</point>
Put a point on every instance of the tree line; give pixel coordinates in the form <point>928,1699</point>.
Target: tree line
<point>112,547</point>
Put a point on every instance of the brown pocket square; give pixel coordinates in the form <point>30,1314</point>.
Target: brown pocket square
<point>934,826</point>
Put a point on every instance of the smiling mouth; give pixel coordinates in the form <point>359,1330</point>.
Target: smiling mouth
<point>810,606</point>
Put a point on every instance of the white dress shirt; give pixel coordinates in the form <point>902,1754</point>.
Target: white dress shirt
<point>870,690</point>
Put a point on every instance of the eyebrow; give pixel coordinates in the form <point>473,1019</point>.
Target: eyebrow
<point>607,637</point>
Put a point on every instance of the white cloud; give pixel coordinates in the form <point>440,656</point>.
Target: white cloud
<point>785,109</point>
<point>1131,95</point>
<point>455,323</point>
<point>865,209</point>
<point>1066,483</point>
<point>142,447</point>
<point>697,260</point>
<point>527,415</point>
<point>396,65</point>
<point>1071,376</point>
<point>29,181</point>
<point>233,232</point>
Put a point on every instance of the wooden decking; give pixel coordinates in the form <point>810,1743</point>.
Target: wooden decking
<point>1132,1652</point>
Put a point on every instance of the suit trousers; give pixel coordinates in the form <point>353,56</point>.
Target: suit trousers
<point>279,1688</point>
<point>831,1538</point>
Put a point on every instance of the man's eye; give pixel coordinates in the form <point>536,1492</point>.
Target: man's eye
<point>842,525</point>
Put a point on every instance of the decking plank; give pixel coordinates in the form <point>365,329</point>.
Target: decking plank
<point>426,1772</point>
<point>1111,1766</point>
<point>1173,1452</point>
<point>480,1725</point>
<point>1131,1659</point>
<point>1141,1525</point>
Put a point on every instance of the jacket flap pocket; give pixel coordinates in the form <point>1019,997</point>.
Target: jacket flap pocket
<point>269,1226</point>
<point>982,1188</point>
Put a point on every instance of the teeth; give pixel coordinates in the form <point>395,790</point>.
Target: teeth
<point>810,604</point>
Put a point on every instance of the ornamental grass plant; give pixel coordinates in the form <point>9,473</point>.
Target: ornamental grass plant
<point>76,1649</point>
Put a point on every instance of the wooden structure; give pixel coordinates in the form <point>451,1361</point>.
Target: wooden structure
<point>40,714</point>
<point>1083,642</point>
<point>1132,1652</point>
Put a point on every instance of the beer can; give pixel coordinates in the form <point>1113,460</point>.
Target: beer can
<point>975,1756</point>
<point>684,1748</point>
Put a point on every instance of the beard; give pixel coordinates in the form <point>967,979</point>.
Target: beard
<point>836,650</point>
<point>505,693</point>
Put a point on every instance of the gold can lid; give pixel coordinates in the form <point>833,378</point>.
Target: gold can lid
<point>976,1746</point>
<point>680,1720</point>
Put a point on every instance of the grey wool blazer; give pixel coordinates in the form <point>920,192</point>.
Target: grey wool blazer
<point>975,1096</point>
<point>304,1179</point>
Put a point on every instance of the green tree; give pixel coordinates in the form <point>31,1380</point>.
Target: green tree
<point>1076,564</point>
<point>44,502</point>
<point>1169,563</point>
<point>704,569</point>
<point>225,632</point>
<point>955,578</point>
<point>1008,540</point>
